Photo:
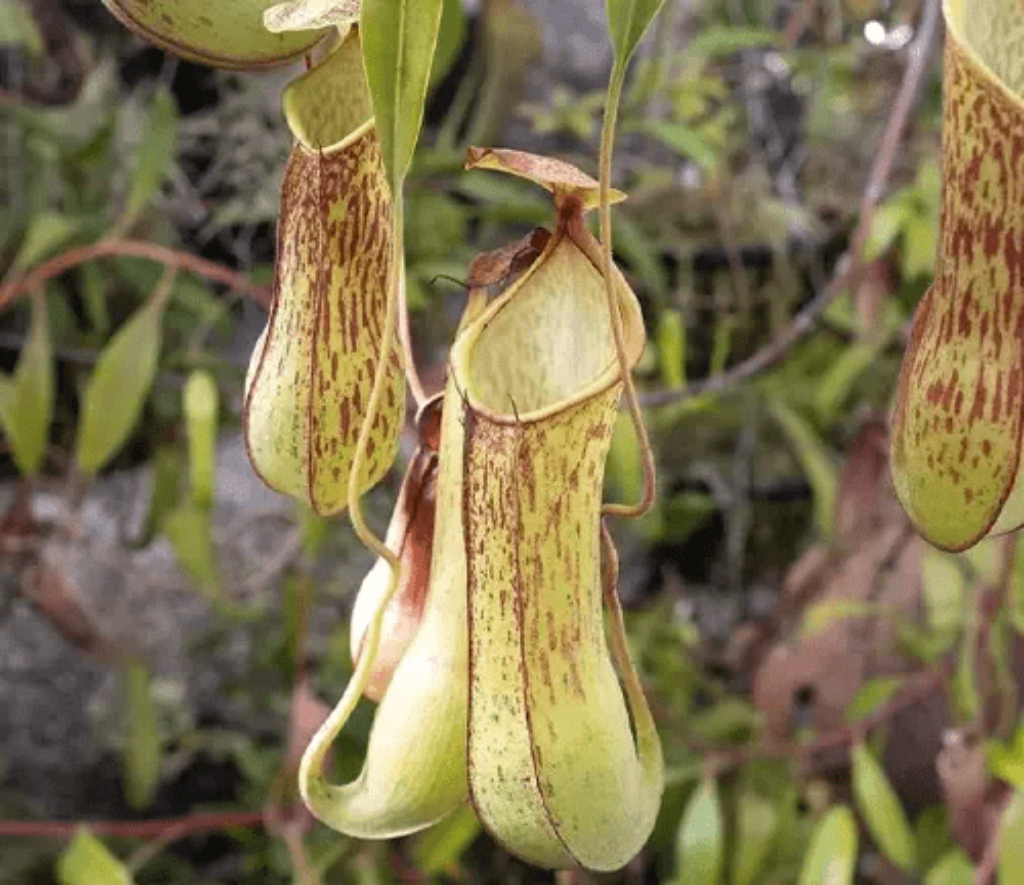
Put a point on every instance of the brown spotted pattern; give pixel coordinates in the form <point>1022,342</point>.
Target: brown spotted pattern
<point>312,373</point>
<point>958,417</point>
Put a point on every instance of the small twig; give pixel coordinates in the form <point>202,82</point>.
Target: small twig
<point>846,268</point>
<point>175,258</point>
<point>988,866</point>
<point>134,829</point>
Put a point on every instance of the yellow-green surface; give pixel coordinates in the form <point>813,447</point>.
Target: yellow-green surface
<point>312,371</point>
<point>225,33</point>
<point>956,439</point>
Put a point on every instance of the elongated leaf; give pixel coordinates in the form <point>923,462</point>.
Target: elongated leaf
<point>757,821</point>
<point>47,233</point>
<point>201,403</point>
<point>813,458</point>
<point>953,868</point>
<point>143,748</point>
<point>26,403</point>
<point>439,849</point>
<point>1011,842</point>
<point>188,528</point>
<point>832,856</point>
<point>399,37</point>
<point>701,835</point>
<point>627,22</point>
<point>881,809</point>
<point>153,159</point>
<point>227,33</point>
<point>117,391</point>
<point>87,861</point>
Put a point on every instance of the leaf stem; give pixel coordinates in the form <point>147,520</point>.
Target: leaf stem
<point>611,112</point>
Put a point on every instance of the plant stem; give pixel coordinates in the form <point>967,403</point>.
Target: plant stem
<point>611,112</point>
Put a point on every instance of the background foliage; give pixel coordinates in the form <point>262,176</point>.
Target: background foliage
<point>835,699</point>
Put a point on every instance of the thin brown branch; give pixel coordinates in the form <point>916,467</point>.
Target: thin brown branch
<point>134,829</point>
<point>174,258</point>
<point>804,322</point>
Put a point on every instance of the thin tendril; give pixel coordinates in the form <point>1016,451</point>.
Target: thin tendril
<point>611,111</point>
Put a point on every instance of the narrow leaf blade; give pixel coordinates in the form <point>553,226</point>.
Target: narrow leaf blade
<point>832,856</point>
<point>628,20</point>
<point>881,809</point>
<point>87,861</point>
<point>399,37</point>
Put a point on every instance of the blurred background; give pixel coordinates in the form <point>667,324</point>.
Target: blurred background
<point>164,654</point>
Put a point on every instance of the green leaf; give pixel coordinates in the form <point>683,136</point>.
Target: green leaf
<point>881,810</point>
<point>672,348</point>
<point>823,615</point>
<point>872,695</point>
<point>143,749</point>
<point>1011,842</point>
<point>932,836</point>
<point>699,846</point>
<point>451,36</point>
<point>943,585</point>
<point>201,404</point>
<point>832,856</point>
<point>399,37</point>
<point>117,391</point>
<point>684,140</point>
<point>627,22</point>
<point>87,861</point>
<point>153,158</point>
<point>886,225</point>
<point>18,27</point>
<point>756,823</point>
<point>439,849</point>
<point>188,530</point>
<point>814,460</point>
<point>1006,761</point>
<point>726,40</point>
<point>48,232</point>
<point>953,868</point>
<point>26,403</point>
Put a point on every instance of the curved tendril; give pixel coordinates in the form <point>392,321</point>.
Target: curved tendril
<point>611,111</point>
<point>311,768</point>
<point>412,375</point>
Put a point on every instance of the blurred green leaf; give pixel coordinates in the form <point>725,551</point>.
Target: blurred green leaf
<point>399,37</point>
<point>143,747</point>
<point>153,159</point>
<point>814,460</point>
<point>756,824</point>
<point>932,836</point>
<point>87,861</point>
<point>886,225</point>
<point>18,28</point>
<point>116,393</point>
<point>1011,842</point>
<point>832,856</point>
<point>699,849</point>
<point>953,868</point>
<point>188,528</point>
<point>201,406</point>
<point>684,140</point>
<point>48,232</point>
<point>672,348</point>
<point>450,37</point>
<point>440,848</point>
<point>872,695</point>
<point>881,810</point>
<point>1006,761</point>
<point>26,400</point>
<point>720,40</point>
<point>943,585</point>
